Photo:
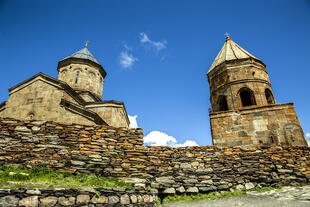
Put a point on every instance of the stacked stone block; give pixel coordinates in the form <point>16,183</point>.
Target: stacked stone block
<point>92,197</point>
<point>270,125</point>
<point>119,152</point>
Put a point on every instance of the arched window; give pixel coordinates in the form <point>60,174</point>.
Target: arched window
<point>247,97</point>
<point>222,103</point>
<point>77,76</point>
<point>269,96</point>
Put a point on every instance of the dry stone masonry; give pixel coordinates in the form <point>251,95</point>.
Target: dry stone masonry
<point>92,197</point>
<point>119,152</point>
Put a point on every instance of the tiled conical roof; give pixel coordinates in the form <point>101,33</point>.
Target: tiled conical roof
<point>84,54</point>
<point>231,51</point>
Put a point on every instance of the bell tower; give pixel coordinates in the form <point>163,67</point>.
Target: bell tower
<point>238,79</point>
<point>83,73</point>
<point>244,110</point>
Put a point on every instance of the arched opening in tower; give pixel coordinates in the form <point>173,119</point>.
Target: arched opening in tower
<point>247,97</point>
<point>269,96</point>
<point>222,103</point>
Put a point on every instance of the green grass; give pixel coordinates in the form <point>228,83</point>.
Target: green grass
<point>267,188</point>
<point>209,196</point>
<point>17,176</point>
<point>214,195</point>
<point>297,185</point>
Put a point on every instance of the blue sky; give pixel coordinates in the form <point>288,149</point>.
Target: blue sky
<point>157,53</point>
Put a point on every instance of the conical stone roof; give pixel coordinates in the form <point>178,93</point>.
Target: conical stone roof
<point>231,51</point>
<point>83,54</point>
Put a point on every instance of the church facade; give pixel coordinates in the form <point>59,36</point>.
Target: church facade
<point>74,97</point>
<point>244,110</point>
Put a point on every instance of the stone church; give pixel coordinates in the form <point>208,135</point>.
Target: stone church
<point>74,97</point>
<point>244,109</point>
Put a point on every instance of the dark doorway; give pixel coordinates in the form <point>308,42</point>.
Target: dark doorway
<point>247,97</point>
<point>222,103</point>
<point>269,96</point>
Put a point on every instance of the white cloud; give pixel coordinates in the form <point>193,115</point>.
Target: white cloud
<point>308,138</point>
<point>144,39</point>
<point>157,138</point>
<point>308,135</point>
<point>187,143</point>
<point>133,121</point>
<point>126,59</point>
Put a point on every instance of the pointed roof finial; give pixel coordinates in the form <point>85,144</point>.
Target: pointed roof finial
<point>86,43</point>
<point>227,36</point>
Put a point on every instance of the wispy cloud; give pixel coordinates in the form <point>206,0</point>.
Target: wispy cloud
<point>158,138</point>
<point>144,39</point>
<point>308,138</point>
<point>127,59</point>
<point>133,121</point>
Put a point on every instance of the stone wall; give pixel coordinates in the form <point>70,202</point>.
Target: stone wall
<point>267,125</point>
<point>92,197</point>
<point>119,152</point>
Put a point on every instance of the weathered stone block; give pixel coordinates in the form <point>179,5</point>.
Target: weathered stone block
<point>113,199</point>
<point>125,199</point>
<point>192,190</point>
<point>9,201</point>
<point>66,201</point>
<point>100,199</point>
<point>169,191</point>
<point>31,201</point>
<point>82,199</point>
<point>48,201</point>
<point>249,186</point>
